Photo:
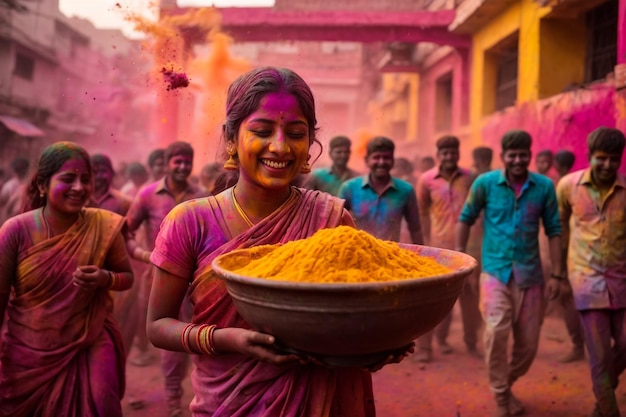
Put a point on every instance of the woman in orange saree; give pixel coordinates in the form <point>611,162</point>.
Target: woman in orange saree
<point>61,353</point>
<point>269,129</point>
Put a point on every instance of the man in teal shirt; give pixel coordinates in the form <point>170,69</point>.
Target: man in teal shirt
<point>511,283</point>
<point>330,179</point>
<point>378,202</point>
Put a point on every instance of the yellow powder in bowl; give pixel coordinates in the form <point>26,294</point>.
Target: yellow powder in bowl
<point>341,255</point>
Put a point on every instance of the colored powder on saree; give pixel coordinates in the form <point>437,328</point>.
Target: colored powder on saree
<point>61,353</point>
<point>231,384</point>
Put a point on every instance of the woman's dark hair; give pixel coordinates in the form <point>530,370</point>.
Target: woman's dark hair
<point>247,91</point>
<point>225,180</point>
<point>606,139</point>
<point>51,160</point>
<point>516,139</point>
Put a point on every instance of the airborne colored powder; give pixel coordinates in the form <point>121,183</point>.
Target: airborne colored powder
<point>181,61</point>
<point>174,80</point>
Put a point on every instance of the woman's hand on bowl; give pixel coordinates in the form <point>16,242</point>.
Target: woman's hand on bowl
<point>395,357</point>
<point>253,344</point>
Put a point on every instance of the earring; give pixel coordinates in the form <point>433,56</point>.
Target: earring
<point>41,195</point>
<point>306,168</point>
<point>230,164</point>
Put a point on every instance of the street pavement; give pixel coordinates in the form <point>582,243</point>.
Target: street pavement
<point>452,385</point>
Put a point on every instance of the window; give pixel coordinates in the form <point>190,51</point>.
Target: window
<point>601,55</point>
<point>443,103</point>
<point>506,77</point>
<point>24,66</point>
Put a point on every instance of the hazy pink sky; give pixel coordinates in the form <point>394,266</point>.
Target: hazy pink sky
<point>103,13</point>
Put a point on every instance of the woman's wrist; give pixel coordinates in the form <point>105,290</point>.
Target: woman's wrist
<point>145,256</point>
<point>142,255</point>
<point>108,279</point>
<point>199,339</point>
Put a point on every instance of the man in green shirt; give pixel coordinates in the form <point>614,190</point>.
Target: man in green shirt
<point>515,202</point>
<point>330,179</point>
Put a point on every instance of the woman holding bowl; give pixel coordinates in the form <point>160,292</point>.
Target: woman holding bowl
<point>269,129</point>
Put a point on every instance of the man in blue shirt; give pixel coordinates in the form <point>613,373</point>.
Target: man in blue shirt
<point>330,179</point>
<point>377,201</point>
<point>514,201</point>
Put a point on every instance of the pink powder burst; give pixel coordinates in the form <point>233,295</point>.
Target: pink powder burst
<point>174,79</point>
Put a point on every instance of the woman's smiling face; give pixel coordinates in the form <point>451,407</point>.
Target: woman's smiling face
<point>69,187</point>
<point>273,142</point>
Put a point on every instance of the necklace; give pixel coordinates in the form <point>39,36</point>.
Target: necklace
<point>242,213</point>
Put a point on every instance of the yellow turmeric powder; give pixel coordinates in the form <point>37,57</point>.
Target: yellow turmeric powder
<point>341,255</point>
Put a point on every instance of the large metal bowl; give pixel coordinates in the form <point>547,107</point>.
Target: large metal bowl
<point>345,324</point>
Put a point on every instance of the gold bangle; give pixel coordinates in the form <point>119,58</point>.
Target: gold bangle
<point>199,337</point>
<point>205,339</point>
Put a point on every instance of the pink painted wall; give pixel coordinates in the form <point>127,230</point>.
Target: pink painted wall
<point>455,63</point>
<point>620,97</point>
<point>559,122</point>
<point>621,33</point>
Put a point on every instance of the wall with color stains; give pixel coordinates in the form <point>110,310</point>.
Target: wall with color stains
<point>443,112</point>
<point>559,122</point>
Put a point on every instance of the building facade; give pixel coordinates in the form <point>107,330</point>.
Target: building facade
<point>552,67</point>
<point>63,79</point>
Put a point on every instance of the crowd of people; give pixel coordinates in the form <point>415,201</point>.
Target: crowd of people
<point>94,262</point>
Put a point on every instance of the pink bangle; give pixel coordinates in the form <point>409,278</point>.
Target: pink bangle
<point>184,337</point>
<point>115,281</point>
<point>211,340</point>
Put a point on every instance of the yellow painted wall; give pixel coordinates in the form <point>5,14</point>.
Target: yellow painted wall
<point>524,18</point>
<point>529,50</point>
<point>412,122</point>
<point>488,80</point>
<point>562,55</point>
<point>396,106</point>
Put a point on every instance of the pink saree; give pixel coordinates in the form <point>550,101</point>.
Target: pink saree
<point>233,385</point>
<point>62,353</point>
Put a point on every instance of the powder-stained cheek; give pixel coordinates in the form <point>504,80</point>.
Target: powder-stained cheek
<point>250,143</point>
<point>301,147</point>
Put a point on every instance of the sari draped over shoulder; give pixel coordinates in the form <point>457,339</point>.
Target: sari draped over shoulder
<point>62,353</point>
<point>234,385</point>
